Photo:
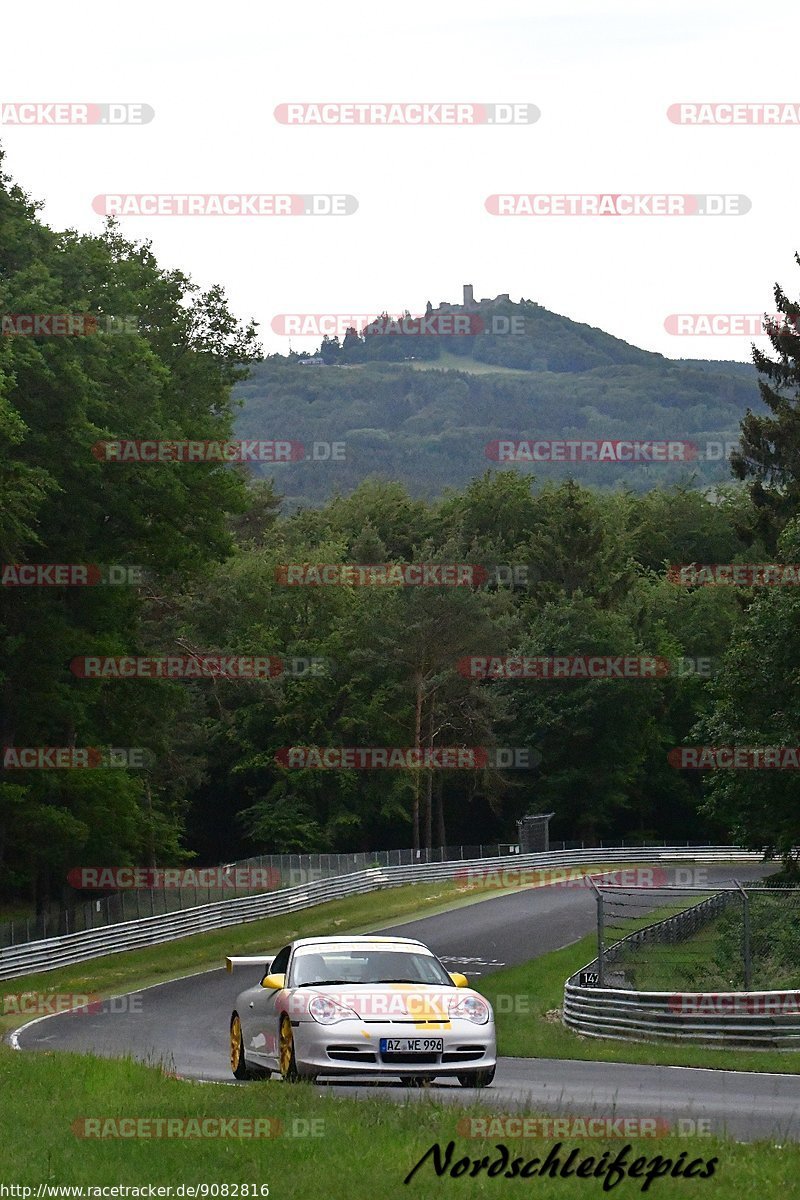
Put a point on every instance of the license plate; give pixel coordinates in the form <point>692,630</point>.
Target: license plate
<point>412,1045</point>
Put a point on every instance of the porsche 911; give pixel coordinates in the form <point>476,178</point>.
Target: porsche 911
<point>360,1006</point>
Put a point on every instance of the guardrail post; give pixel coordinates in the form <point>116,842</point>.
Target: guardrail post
<point>746,948</point>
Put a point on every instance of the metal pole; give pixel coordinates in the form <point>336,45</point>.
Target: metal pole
<point>601,948</point>
<point>748,962</point>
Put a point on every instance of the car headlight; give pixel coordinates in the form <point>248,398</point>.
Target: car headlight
<point>471,1008</point>
<point>328,1011</point>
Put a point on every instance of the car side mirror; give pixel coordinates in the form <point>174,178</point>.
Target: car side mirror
<point>458,979</point>
<point>273,982</point>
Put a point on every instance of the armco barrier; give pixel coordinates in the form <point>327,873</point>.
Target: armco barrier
<point>52,953</point>
<point>769,1019</point>
<point>755,1019</point>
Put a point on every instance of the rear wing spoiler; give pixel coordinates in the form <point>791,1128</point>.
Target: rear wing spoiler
<point>250,960</point>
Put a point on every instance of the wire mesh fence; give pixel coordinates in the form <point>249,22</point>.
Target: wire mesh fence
<point>727,938</point>
<point>280,871</point>
<point>266,872</point>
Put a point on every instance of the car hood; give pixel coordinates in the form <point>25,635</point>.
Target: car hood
<point>387,1001</point>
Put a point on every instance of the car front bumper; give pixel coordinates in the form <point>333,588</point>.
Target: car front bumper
<point>354,1048</point>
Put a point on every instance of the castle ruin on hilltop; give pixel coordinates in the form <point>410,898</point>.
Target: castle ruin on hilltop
<point>470,304</point>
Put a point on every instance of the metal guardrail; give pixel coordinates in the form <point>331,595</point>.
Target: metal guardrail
<point>745,1019</point>
<point>765,1019</point>
<point>276,870</point>
<point>51,953</point>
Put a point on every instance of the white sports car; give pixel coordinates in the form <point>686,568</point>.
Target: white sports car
<point>361,1006</point>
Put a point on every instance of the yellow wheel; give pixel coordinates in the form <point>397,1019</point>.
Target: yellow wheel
<point>287,1061</point>
<point>238,1062</point>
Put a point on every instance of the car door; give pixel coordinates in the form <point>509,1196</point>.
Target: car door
<point>260,1019</point>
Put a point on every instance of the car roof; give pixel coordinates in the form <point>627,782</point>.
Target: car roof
<point>357,939</point>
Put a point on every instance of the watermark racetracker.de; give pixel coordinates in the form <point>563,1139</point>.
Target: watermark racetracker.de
<point>729,324</point>
<point>735,758</point>
<point>406,574</point>
<point>598,1128</point>
<point>734,574</point>
<point>201,666</point>
<point>581,667</point>
<point>22,575</point>
<point>51,324</point>
<point>408,112</point>
<point>263,450</point>
<point>225,204</point>
<point>404,758</point>
<point>193,1127</point>
<point>733,112</point>
<point>225,878</point>
<point>615,204</point>
<point>601,450</point>
<point>369,325</point>
<point>44,112</point>
<point>76,758</point>
<point>616,451</point>
<point>515,878</point>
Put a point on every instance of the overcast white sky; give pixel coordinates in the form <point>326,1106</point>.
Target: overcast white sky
<point>603,75</point>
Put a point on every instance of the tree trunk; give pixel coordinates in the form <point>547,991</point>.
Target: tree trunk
<point>151,850</point>
<point>417,738</point>
<point>429,788</point>
<point>429,808</point>
<point>441,834</point>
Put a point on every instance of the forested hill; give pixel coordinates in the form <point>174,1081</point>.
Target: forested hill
<point>424,408</point>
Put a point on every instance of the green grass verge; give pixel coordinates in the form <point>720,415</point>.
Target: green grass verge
<point>359,1148</point>
<point>527,1001</point>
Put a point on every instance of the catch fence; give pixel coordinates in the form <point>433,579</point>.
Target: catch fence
<point>279,871</point>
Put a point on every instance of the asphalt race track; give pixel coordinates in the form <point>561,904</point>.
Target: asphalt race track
<point>184,1024</point>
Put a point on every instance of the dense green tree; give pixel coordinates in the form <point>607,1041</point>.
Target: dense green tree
<point>769,454</point>
<point>757,704</point>
<point>159,364</point>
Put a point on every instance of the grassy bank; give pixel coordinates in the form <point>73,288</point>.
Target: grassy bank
<point>340,1149</point>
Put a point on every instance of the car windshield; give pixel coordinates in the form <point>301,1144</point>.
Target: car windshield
<point>353,965</point>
